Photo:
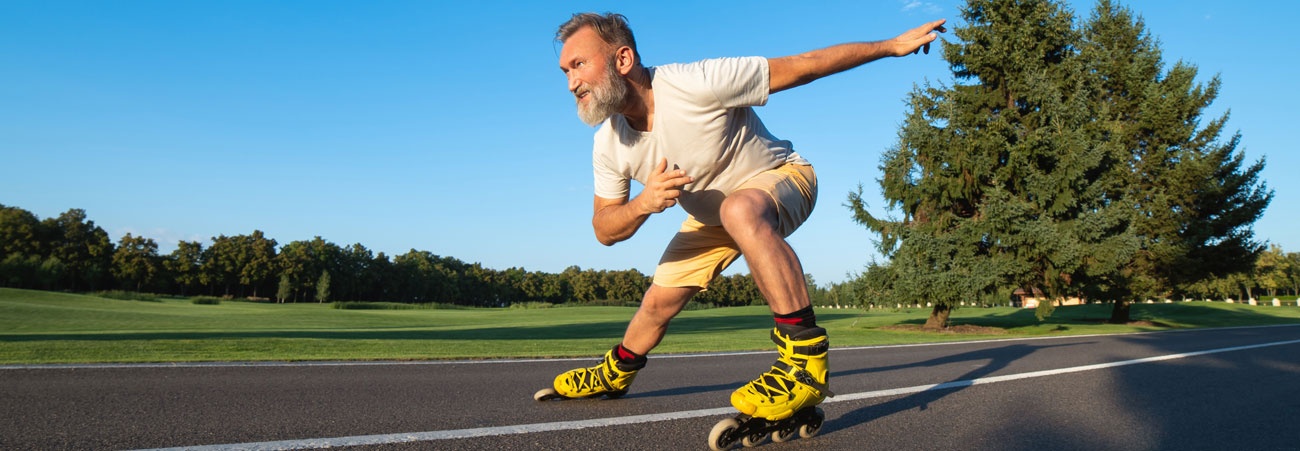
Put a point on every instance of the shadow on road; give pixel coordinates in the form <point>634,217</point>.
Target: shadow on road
<point>612,330</point>
<point>997,358</point>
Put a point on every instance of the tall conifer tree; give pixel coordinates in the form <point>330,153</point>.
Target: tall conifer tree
<point>998,184</point>
<point>1194,198</point>
<point>1064,161</point>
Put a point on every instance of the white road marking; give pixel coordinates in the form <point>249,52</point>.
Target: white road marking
<point>649,418</point>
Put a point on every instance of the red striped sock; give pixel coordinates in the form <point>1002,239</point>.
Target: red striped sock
<point>804,317</point>
<point>625,355</point>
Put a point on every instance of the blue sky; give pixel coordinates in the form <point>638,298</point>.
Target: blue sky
<point>446,126</point>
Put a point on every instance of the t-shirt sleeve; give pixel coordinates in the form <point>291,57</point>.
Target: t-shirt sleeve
<point>738,82</point>
<point>610,184</point>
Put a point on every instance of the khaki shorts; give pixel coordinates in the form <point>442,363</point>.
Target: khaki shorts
<point>700,252</point>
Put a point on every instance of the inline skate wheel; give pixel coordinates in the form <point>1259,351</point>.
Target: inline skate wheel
<point>753,440</point>
<point>720,437</point>
<point>812,428</point>
<point>785,434</point>
<point>546,394</point>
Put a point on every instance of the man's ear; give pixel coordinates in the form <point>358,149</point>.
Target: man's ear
<point>624,60</point>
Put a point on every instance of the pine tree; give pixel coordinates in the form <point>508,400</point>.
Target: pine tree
<point>1193,198</point>
<point>1062,161</point>
<point>997,178</point>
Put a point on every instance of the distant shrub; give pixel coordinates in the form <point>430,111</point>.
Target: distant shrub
<point>128,296</point>
<point>531,305</point>
<point>441,306</point>
<point>206,300</point>
<point>359,305</point>
<point>373,306</point>
<point>611,303</point>
<point>695,305</point>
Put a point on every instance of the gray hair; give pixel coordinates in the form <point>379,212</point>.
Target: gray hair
<point>611,27</point>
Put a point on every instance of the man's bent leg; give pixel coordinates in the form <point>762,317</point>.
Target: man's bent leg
<point>650,323</point>
<point>750,217</point>
<point>799,378</point>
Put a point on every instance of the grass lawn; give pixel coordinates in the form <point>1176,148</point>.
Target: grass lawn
<point>47,327</point>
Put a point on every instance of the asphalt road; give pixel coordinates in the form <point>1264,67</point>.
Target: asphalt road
<point>1206,389</point>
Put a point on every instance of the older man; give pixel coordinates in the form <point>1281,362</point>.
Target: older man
<point>689,134</point>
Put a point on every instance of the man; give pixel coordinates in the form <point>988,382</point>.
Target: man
<point>688,133</point>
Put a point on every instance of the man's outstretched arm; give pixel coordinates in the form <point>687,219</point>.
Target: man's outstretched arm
<point>795,70</point>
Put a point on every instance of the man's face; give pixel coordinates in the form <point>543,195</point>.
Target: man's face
<point>597,86</point>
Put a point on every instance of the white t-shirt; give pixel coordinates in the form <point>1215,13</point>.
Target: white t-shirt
<point>704,124</point>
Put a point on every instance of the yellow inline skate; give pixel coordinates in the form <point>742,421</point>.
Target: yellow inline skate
<point>781,402</point>
<point>611,379</point>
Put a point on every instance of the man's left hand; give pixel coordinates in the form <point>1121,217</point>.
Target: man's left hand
<point>918,39</point>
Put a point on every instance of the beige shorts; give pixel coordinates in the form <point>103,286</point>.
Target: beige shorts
<point>700,252</point>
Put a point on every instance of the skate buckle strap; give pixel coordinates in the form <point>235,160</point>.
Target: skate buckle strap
<point>817,349</point>
<point>607,369</point>
<point>804,377</point>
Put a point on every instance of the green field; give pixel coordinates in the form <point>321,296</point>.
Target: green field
<point>47,327</point>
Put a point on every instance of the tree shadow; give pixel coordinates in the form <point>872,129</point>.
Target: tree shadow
<point>612,330</point>
<point>1185,315</point>
<point>997,358</point>
<point>1232,392</point>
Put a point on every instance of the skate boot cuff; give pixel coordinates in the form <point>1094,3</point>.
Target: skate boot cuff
<point>626,366</point>
<point>785,342</point>
<point>818,348</point>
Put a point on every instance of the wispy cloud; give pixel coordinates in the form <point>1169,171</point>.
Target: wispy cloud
<point>912,6</point>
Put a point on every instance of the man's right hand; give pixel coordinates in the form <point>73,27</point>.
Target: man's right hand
<point>663,188</point>
<point>616,220</point>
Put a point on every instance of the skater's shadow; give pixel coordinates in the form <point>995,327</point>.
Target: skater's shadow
<point>997,359</point>
<point>680,391</point>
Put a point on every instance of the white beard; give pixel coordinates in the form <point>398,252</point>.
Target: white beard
<point>607,97</point>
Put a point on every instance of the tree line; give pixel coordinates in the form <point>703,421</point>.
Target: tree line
<point>71,253</point>
<point>1063,157</point>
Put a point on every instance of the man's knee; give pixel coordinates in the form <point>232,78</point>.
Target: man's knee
<point>657,312</point>
<point>663,303</point>
<point>748,209</point>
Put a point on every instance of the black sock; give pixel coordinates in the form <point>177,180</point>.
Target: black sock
<point>627,356</point>
<point>802,318</point>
